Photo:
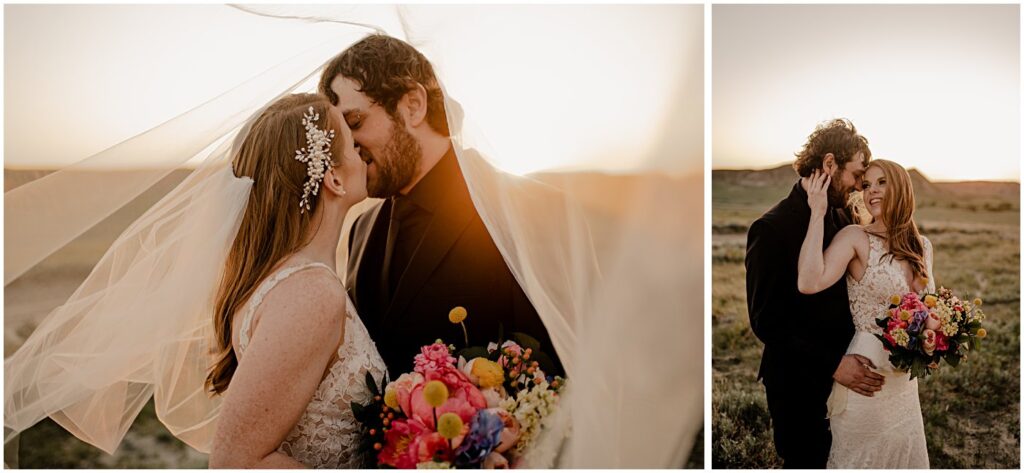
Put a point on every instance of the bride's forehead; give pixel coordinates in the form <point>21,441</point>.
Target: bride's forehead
<point>873,172</point>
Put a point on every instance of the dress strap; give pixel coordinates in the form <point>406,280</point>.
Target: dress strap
<point>262,290</point>
<point>876,245</point>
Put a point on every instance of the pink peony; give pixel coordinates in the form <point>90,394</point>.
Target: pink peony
<point>460,386</point>
<point>425,414</point>
<point>433,358</point>
<point>404,387</point>
<point>397,442</point>
<point>430,446</point>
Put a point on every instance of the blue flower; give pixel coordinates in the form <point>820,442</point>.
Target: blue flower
<point>917,321</point>
<point>483,437</point>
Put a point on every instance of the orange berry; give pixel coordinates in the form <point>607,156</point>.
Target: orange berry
<point>377,446</point>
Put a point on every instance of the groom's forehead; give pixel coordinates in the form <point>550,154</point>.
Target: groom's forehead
<point>350,98</point>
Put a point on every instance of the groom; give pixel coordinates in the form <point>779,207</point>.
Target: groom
<point>806,336</point>
<point>424,249</point>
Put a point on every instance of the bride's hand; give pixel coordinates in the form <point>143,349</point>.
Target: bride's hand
<point>817,185</point>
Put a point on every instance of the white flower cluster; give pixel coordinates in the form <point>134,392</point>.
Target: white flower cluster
<point>316,156</point>
<point>531,408</point>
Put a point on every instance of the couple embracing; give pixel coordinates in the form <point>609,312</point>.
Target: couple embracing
<point>816,281</point>
<point>244,253</point>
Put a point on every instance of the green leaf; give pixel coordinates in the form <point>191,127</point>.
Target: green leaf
<point>372,384</point>
<point>526,341</point>
<point>472,352</point>
<point>952,358</point>
<point>917,370</point>
<point>358,411</point>
<point>546,363</point>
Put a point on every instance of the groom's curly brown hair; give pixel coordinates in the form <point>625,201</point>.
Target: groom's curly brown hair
<point>386,69</point>
<point>838,137</point>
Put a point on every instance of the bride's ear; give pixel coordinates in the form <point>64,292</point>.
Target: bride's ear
<point>332,182</point>
<point>414,104</point>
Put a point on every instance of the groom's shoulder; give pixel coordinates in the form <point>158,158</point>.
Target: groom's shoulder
<point>364,219</point>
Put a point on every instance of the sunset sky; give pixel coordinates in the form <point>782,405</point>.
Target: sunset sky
<point>935,87</point>
<point>612,88</point>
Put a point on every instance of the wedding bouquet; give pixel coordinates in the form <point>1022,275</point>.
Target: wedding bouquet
<point>482,409</point>
<point>918,332</point>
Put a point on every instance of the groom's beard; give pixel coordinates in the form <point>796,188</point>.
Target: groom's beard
<point>397,164</point>
<point>837,197</point>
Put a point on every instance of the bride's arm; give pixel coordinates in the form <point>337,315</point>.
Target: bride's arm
<point>818,271</point>
<point>296,337</point>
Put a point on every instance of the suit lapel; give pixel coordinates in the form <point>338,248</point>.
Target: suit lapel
<point>363,236</point>
<point>445,228</point>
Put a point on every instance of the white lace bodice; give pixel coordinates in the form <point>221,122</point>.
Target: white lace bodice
<point>883,277</point>
<point>885,431</point>
<point>327,435</point>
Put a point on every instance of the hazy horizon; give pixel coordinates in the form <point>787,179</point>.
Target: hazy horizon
<point>925,174</point>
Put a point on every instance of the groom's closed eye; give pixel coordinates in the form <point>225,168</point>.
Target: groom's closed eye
<point>353,118</point>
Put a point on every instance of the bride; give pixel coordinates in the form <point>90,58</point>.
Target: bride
<point>292,349</point>
<point>885,257</point>
<point>138,329</point>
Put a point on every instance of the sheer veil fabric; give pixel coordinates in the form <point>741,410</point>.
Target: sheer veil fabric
<point>617,279</point>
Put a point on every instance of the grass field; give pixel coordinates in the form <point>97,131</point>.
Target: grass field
<point>971,413</point>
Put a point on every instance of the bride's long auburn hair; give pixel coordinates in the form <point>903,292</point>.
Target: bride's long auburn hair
<point>898,215</point>
<point>272,226</point>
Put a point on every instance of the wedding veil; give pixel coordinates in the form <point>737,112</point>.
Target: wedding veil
<point>615,270</point>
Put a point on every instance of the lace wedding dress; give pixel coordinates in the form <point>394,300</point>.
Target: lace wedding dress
<point>327,435</point>
<point>886,430</point>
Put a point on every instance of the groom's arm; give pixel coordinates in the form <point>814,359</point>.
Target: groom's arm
<point>765,292</point>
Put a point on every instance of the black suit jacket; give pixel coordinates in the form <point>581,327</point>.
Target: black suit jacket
<point>805,336</point>
<point>455,264</point>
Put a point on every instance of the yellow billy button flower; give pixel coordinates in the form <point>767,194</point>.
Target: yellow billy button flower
<point>930,301</point>
<point>488,372</point>
<point>457,315</point>
<point>894,299</point>
<point>982,332</point>
<point>391,398</point>
<point>449,425</point>
<point>435,393</point>
<point>977,302</point>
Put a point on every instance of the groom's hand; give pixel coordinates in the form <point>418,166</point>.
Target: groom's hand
<point>854,372</point>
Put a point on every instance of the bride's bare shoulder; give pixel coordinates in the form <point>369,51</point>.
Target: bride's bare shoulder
<point>853,234</point>
<point>311,295</point>
<point>855,237</point>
